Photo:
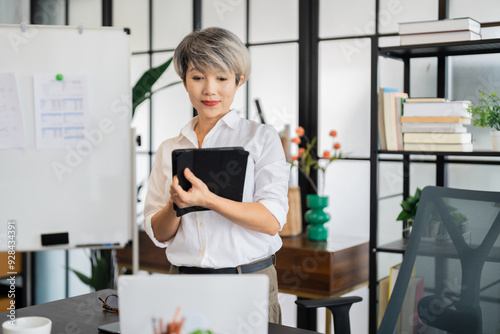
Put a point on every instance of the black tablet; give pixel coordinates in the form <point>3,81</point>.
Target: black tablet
<point>222,169</point>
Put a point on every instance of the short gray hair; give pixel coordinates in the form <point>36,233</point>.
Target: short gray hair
<point>212,48</point>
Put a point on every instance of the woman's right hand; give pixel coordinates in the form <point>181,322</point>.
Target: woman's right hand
<point>197,195</point>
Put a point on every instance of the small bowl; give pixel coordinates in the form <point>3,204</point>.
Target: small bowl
<point>28,325</point>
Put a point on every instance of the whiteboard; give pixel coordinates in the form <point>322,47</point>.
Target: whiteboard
<point>92,197</point>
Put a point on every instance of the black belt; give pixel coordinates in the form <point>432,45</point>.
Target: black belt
<point>245,269</point>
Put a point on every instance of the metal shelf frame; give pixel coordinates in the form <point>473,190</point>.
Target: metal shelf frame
<point>404,53</point>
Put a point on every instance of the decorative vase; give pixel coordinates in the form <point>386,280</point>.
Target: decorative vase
<point>495,140</point>
<point>317,217</point>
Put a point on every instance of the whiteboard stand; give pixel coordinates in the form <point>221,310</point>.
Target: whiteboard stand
<point>135,228</point>
<point>28,278</point>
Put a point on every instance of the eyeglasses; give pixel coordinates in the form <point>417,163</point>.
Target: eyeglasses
<point>110,303</point>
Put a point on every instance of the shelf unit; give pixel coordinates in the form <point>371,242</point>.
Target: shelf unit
<point>440,159</point>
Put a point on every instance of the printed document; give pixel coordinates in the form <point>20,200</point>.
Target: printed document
<point>61,110</point>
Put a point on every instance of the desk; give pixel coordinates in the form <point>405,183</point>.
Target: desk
<point>307,269</point>
<point>83,314</point>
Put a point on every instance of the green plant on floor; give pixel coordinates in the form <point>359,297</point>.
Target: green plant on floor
<point>102,273</point>
<point>487,112</point>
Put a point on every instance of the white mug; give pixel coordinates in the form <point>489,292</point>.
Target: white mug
<point>27,325</point>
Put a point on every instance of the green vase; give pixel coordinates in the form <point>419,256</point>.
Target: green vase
<point>317,217</point>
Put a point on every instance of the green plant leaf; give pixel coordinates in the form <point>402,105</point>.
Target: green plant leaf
<point>487,112</point>
<point>410,206</point>
<point>405,216</point>
<point>418,192</point>
<point>84,278</point>
<point>100,275</point>
<point>142,89</point>
<point>407,207</point>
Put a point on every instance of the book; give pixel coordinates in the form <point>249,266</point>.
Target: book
<point>437,138</point>
<point>463,23</point>
<point>380,119</point>
<point>451,108</point>
<point>425,99</point>
<point>400,98</point>
<point>419,147</point>
<point>439,37</point>
<point>409,309</point>
<point>392,119</point>
<point>383,297</point>
<point>436,119</point>
<point>222,169</point>
<point>433,127</point>
<point>393,276</point>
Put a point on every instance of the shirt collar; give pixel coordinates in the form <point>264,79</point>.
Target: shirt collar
<point>188,129</point>
<point>231,119</point>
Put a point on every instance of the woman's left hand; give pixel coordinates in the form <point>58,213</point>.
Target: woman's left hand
<point>197,195</point>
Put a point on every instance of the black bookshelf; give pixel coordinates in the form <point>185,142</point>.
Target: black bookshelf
<point>398,246</point>
<point>462,48</point>
<point>436,153</point>
<point>439,159</point>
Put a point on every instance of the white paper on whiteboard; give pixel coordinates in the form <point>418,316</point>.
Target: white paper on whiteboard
<point>11,119</point>
<point>61,110</point>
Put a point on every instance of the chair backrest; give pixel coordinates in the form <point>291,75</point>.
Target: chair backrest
<point>449,280</point>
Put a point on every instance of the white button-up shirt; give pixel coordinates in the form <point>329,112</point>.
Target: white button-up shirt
<point>205,238</point>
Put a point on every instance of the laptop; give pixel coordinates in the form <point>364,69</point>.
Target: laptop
<point>215,304</point>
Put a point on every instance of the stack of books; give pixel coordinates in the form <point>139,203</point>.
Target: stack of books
<point>434,124</point>
<point>390,106</point>
<point>440,31</point>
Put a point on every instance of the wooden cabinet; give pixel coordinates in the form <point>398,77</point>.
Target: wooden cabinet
<point>6,287</point>
<point>316,269</point>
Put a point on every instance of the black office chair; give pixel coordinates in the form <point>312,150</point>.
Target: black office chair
<point>449,280</point>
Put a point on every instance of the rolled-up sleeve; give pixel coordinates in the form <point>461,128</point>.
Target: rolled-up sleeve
<point>156,198</point>
<point>271,177</point>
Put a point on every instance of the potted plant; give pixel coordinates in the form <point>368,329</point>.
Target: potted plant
<point>102,270</point>
<point>407,215</point>
<point>435,227</point>
<point>487,114</point>
<point>307,160</point>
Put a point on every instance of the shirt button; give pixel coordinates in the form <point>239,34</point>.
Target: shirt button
<point>201,224</point>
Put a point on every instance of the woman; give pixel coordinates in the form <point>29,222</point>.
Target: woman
<point>231,237</point>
